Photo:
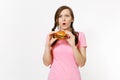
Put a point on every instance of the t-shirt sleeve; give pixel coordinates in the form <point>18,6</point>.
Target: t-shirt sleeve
<point>82,40</point>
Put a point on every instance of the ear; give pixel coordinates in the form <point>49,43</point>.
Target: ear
<point>56,20</point>
<point>72,20</point>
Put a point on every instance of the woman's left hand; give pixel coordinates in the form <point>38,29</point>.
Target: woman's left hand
<point>71,38</point>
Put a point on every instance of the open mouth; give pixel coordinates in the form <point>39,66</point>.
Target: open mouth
<point>64,23</point>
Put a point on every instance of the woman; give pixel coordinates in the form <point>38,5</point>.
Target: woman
<point>65,56</point>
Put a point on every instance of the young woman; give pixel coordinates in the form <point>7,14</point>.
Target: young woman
<point>65,56</point>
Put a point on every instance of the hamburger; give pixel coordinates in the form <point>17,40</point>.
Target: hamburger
<point>60,35</point>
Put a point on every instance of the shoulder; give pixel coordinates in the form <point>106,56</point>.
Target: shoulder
<point>80,33</point>
<point>81,36</point>
<point>82,39</point>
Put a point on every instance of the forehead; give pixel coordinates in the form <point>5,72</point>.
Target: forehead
<point>65,11</point>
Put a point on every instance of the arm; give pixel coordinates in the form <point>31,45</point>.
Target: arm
<point>47,56</point>
<point>80,55</point>
<point>79,52</point>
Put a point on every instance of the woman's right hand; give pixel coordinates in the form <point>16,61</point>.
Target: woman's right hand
<point>50,40</point>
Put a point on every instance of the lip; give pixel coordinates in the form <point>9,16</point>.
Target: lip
<point>64,23</point>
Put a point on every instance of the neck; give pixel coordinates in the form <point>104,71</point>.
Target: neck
<point>68,29</point>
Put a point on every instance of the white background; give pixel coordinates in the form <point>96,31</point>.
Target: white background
<point>24,25</point>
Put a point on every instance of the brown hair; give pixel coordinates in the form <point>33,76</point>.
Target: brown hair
<point>59,10</point>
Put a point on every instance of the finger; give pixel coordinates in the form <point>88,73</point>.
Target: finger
<point>53,40</point>
<point>69,33</point>
<point>53,32</point>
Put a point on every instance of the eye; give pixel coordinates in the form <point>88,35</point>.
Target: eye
<point>67,15</point>
<point>60,16</point>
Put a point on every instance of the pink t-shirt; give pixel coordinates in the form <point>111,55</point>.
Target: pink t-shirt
<point>64,66</point>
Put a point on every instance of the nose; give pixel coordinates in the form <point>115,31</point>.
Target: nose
<point>63,18</point>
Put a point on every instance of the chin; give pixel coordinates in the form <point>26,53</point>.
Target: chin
<point>65,28</point>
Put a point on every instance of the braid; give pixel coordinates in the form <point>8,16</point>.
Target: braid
<point>75,34</point>
<point>54,27</point>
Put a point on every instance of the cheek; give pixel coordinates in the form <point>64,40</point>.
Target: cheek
<point>59,20</point>
<point>69,21</point>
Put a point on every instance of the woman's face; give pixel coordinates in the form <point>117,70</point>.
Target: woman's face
<point>65,20</point>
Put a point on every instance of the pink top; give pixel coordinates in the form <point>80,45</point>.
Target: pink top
<point>64,66</point>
